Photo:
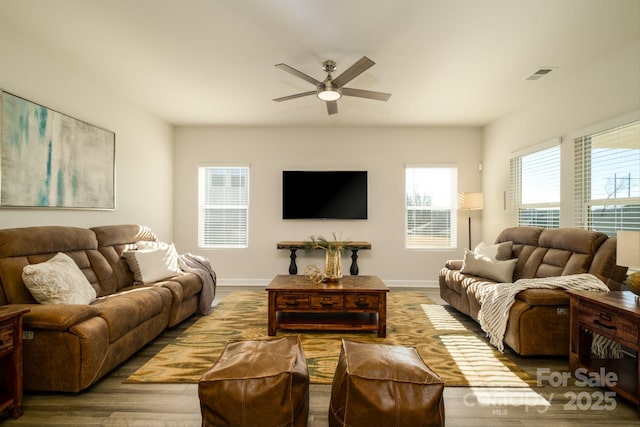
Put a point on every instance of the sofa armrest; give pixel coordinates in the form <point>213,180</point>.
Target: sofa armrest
<point>56,317</point>
<point>544,297</point>
<point>453,264</point>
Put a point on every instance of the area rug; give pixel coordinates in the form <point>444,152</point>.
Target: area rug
<point>449,343</point>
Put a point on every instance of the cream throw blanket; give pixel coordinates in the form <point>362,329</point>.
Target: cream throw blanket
<point>201,267</point>
<point>496,301</point>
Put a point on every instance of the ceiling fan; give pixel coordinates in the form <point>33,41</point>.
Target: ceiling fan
<point>330,89</point>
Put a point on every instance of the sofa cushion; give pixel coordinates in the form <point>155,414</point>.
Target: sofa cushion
<point>499,251</point>
<point>121,235</point>
<point>113,240</point>
<point>535,297</point>
<point>572,239</point>
<point>45,240</point>
<point>520,235</point>
<point>500,271</point>
<point>129,308</point>
<point>57,317</point>
<point>58,281</point>
<point>152,265</point>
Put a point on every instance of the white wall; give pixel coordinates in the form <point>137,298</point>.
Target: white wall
<point>600,93</point>
<point>144,144</point>
<point>383,152</point>
<point>145,166</point>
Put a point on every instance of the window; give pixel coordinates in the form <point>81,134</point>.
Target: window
<point>431,206</point>
<point>223,207</point>
<point>607,179</point>
<point>535,186</point>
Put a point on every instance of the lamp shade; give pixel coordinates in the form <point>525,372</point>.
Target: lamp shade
<point>628,249</point>
<point>471,201</point>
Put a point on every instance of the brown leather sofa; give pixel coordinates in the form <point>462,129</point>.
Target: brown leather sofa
<point>68,347</point>
<point>539,318</point>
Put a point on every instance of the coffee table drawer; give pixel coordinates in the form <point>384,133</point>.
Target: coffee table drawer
<point>362,301</point>
<point>290,301</point>
<point>332,301</point>
<point>608,324</point>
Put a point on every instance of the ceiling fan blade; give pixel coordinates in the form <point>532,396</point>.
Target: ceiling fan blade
<point>332,107</point>
<point>300,74</point>
<point>297,95</point>
<point>362,65</point>
<point>378,96</point>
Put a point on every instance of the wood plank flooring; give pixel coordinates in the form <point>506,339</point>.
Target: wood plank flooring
<point>112,403</point>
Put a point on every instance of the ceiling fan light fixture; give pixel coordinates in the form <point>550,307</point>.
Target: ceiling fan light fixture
<point>329,93</point>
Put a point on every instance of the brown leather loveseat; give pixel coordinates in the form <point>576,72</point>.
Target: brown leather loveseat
<point>539,318</point>
<point>68,347</point>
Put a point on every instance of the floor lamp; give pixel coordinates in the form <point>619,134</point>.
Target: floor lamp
<point>471,202</point>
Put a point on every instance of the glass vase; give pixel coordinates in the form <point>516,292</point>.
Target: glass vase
<point>333,265</point>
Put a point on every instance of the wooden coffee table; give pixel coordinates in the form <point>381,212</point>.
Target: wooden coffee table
<point>354,303</point>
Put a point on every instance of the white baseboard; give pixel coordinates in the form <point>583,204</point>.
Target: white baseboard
<point>389,282</point>
<point>411,283</point>
<point>243,282</point>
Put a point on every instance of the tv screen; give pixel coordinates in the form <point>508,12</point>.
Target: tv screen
<point>324,194</point>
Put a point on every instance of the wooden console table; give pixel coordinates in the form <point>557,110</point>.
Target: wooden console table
<point>614,315</point>
<point>11,359</point>
<point>293,246</point>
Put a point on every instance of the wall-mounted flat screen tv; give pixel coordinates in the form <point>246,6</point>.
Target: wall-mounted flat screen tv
<point>324,194</point>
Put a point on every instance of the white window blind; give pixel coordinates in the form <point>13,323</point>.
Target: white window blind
<point>535,186</point>
<point>607,179</point>
<point>431,206</point>
<point>223,207</point>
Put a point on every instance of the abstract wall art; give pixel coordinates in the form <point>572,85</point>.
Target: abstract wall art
<point>51,160</point>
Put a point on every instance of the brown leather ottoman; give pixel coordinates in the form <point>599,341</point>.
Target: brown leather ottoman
<point>257,383</point>
<point>384,385</point>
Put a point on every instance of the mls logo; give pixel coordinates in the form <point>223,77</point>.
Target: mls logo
<point>500,412</point>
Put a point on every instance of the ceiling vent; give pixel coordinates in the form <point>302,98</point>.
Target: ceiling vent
<point>540,72</point>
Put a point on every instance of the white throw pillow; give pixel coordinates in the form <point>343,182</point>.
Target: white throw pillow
<point>146,244</point>
<point>58,281</point>
<point>499,251</point>
<point>482,266</point>
<point>153,264</point>
<point>172,254</point>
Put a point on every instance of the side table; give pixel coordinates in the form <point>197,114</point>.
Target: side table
<point>614,315</point>
<point>11,359</point>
